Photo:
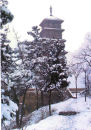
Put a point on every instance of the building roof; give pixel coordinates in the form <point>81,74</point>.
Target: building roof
<point>51,18</point>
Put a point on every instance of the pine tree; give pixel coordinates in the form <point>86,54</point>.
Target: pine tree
<point>21,79</point>
<point>5,14</point>
<point>8,106</point>
<point>49,64</point>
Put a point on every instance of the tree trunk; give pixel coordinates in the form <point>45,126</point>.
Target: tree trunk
<point>22,109</point>
<point>37,99</point>
<point>16,100</point>
<point>85,86</point>
<point>76,85</point>
<point>17,118</point>
<point>42,98</point>
<point>50,102</point>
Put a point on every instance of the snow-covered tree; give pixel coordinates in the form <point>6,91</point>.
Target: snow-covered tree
<point>82,59</point>
<point>85,58</point>
<point>8,107</point>
<point>84,55</point>
<point>49,64</point>
<point>75,70</point>
<point>5,14</point>
<point>21,79</point>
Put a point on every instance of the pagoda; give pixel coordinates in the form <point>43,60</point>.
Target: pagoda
<point>51,27</point>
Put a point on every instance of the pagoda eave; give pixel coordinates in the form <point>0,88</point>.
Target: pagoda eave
<point>62,30</point>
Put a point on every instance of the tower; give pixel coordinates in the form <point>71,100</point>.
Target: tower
<point>51,27</point>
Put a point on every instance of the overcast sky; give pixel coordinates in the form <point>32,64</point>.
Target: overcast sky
<point>75,13</point>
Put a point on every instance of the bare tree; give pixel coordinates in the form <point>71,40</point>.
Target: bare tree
<point>75,69</point>
<point>83,59</point>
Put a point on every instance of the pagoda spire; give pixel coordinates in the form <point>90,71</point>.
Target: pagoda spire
<point>50,10</point>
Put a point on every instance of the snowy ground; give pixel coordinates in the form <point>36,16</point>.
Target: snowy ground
<point>81,121</point>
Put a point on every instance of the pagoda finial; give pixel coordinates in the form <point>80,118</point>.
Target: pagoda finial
<point>50,10</point>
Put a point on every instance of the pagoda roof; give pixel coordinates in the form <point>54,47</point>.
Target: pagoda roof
<point>51,18</point>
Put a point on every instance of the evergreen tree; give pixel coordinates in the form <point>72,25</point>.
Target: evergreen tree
<point>49,64</point>
<point>5,14</point>
<point>21,79</point>
<point>46,59</point>
<point>7,65</point>
<point>8,107</point>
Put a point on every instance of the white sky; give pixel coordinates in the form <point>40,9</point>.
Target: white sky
<point>75,13</point>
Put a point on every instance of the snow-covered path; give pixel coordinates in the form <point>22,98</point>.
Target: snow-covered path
<point>56,122</point>
<point>80,121</point>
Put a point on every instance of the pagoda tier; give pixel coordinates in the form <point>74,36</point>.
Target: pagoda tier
<point>51,33</point>
<point>51,28</point>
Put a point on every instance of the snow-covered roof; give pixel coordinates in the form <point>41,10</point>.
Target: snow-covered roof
<point>51,18</point>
